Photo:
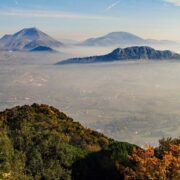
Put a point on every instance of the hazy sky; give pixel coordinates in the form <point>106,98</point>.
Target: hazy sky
<point>81,19</point>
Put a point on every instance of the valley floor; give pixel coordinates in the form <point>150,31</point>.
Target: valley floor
<point>137,102</point>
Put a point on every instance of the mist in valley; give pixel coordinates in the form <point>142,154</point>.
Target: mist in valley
<point>134,101</point>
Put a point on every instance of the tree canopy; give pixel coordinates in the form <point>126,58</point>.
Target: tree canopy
<point>40,142</point>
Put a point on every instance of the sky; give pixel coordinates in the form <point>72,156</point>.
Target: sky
<point>81,19</point>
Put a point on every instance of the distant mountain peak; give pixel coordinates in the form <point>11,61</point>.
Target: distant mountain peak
<point>118,33</point>
<point>32,30</point>
<point>122,38</point>
<point>114,38</point>
<point>28,39</point>
<point>32,33</point>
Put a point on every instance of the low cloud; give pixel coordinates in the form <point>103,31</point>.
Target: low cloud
<point>51,14</point>
<point>174,2</point>
<point>112,5</point>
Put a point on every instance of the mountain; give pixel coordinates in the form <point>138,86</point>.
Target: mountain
<point>41,142</point>
<point>114,38</point>
<point>130,53</point>
<point>28,39</point>
<point>42,48</point>
<point>124,39</point>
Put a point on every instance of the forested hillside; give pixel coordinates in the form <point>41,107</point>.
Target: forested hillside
<point>40,142</point>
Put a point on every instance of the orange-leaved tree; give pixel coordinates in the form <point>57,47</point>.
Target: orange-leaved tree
<point>148,166</point>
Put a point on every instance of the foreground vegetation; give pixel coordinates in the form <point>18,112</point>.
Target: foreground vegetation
<point>40,142</point>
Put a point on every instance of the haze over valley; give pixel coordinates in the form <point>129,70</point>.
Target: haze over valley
<point>131,101</point>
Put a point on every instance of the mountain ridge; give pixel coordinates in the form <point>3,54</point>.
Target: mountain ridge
<point>129,53</point>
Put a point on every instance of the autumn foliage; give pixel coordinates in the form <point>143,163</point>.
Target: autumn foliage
<point>149,166</point>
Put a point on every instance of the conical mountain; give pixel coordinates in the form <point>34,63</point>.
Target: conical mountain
<point>28,39</point>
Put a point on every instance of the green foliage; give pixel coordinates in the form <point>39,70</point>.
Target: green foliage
<point>104,164</point>
<point>164,145</point>
<point>40,142</point>
<point>6,153</point>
